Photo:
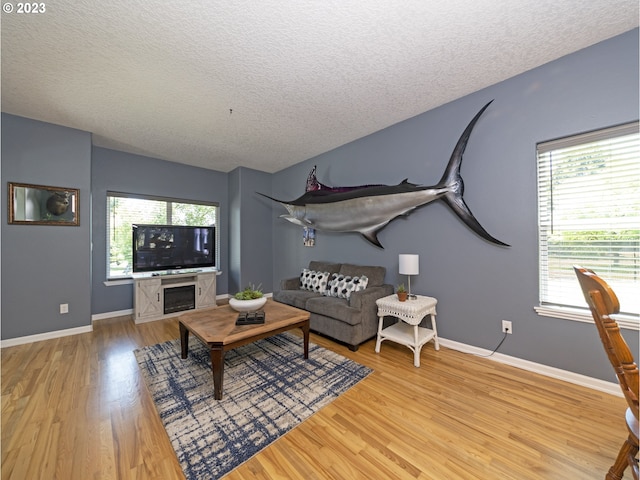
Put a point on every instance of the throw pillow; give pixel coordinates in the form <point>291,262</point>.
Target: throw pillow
<point>313,281</point>
<point>342,286</point>
<point>356,284</point>
<point>329,292</point>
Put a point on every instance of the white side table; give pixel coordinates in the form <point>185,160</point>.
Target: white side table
<point>406,331</point>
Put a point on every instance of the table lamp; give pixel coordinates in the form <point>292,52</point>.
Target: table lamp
<point>409,265</point>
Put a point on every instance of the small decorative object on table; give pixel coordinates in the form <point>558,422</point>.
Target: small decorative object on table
<point>401,292</point>
<point>250,318</point>
<point>248,300</point>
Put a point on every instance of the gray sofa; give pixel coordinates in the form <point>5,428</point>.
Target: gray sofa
<point>350,320</point>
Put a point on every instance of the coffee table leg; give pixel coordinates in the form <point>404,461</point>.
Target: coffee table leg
<point>217,365</point>
<point>305,334</point>
<point>184,340</point>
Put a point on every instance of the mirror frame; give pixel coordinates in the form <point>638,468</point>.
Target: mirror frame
<point>72,194</point>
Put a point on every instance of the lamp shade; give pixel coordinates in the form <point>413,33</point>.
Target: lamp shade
<point>409,264</point>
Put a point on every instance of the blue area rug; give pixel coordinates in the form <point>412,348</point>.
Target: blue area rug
<point>268,389</point>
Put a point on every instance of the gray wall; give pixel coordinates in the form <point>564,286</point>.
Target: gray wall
<point>477,283</point>
<point>250,235</point>
<point>44,265</point>
<point>122,172</point>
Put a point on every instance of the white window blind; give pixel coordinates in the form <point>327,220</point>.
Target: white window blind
<point>125,209</point>
<point>589,215</point>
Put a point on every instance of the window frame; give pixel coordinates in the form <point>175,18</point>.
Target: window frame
<point>573,312</point>
<point>110,279</point>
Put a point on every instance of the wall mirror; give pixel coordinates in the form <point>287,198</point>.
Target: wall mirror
<point>43,205</point>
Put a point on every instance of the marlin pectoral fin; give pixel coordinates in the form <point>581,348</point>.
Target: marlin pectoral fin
<point>456,202</point>
<point>372,236</point>
<point>296,221</point>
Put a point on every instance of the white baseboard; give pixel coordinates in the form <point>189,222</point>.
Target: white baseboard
<point>138,321</point>
<point>119,313</point>
<point>11,342</point>
<point>122,313</point>
<point>611,388</point>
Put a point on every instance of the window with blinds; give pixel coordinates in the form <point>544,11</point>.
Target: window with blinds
<point>589,215</point>
<point>125,209</point>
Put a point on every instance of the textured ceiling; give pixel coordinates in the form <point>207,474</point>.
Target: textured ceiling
<point>266,84</point>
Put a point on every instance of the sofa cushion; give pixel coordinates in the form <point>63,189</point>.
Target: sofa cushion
<point>295,298</point>
<point>334,307</point>
<point>314,281</point>
<point>342,286</point>
<point>374,274</point>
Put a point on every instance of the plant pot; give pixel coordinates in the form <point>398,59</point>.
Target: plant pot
<point>402,296</point>
<point>247,305</point>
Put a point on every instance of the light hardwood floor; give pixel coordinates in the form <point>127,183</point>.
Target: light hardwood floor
<point>77,408</point>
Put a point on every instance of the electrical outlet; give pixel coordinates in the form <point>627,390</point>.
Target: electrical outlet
<point>506,326</point>
<point>64,308</point>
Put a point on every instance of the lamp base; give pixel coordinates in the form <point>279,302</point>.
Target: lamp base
<point>410,296</point>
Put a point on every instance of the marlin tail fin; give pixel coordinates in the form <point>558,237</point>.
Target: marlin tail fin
<point>456,202</point>
<point>452,181</point>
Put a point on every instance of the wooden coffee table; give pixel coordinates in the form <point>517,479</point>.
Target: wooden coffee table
<point>216,328</point>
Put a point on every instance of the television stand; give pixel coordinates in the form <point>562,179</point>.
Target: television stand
<point>166,295</point>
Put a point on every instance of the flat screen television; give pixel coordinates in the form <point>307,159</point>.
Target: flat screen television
<point>172,247</point>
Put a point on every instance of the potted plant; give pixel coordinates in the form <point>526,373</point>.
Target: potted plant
<point>401,292</point>
<point>249,299</point>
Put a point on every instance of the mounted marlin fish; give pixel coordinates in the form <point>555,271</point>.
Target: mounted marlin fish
<point>368,209</point>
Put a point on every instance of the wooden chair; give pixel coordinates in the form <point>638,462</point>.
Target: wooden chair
<point>603,302</point>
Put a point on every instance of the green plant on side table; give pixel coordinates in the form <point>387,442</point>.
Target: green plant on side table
<point>401,292</point>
